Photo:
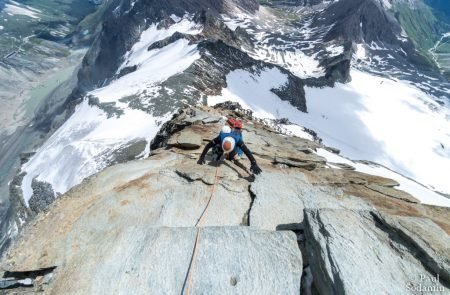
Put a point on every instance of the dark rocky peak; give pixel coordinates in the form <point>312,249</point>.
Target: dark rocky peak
<point>288,3</point>
<point>222,49</point>
<point>369,22</point>
<point>207,76</point>
<point>123,26</point>
<point>360,21</point>
<point>314,2</point>
<point>156,9</point>
<point>215,29</point>
<point>220,6</point>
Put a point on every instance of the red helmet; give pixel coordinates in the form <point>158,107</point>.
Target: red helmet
<point>234,123</point>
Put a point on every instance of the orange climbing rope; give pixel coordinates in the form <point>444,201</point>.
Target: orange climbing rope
<point>199,225</point>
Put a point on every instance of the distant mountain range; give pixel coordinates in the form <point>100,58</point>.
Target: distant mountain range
<point>426,23</point>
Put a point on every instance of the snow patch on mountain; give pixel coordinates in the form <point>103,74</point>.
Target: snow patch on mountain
<point>335,50</point>
<point>233,23</point>
<point>420,192</point>
<point>371,118</point>
<point>360,52</point>
<point>15,8</point>
<point>284,46</point>
<point>386,4</point>
<point>295,61</point>
<point>139,54</point>
<point>385,121</point>
<point>83,146</point>
<point>154,66</point>
<point>296,130</point>
<point>252,91</point>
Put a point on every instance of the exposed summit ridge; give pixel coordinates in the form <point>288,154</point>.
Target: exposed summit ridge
<point>133,225</point>
<point>118,187</point>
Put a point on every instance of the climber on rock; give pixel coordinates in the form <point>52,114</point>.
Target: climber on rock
<point>228,143</point>
<point>236,127</point>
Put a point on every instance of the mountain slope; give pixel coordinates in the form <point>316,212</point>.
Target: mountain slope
<point>140,100</point>
<point>344,69</point>
<point>38,64</point>
<point>167,223</point>
<point>427,23</point>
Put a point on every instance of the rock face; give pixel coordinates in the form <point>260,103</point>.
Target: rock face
<point>140,253</point>
<point>147,223</point>
<point>168,225</point>
<point>353,250</point>
<point>189,140</point>
<point>368,21</point>
<point>43,196</point>
<point>238,253</point>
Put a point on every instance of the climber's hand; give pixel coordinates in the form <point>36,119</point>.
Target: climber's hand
<point>201,161</point>
<point>255,169</point>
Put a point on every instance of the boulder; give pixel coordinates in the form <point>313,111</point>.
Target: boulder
<point>197,117</point>
<point>210,120</point>
<point>298,156</point>
<point>342,166</point>
<point>269,144</point>
<point>281,198</point>
<point>432,244</point>
<point>189,140</point>
<point>274,207</point>
<point>138,260</point>
<point>326,176</point>
<point>142,260</point>
<point>353,252</point>
<point>304,165</point>
<point>246,261</point>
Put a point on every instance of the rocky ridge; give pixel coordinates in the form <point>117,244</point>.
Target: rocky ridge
<point>222,51</point>
<point>235,35</point>
<point>134,227</point>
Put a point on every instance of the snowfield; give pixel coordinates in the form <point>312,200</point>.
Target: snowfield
<point>421,193</point>
<point>153,66</point>
<point>295,61</point>
<point>84,144</point>
<point>371,118</point>
<point>284,53</point>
